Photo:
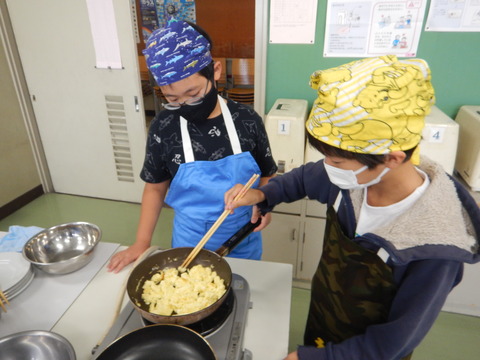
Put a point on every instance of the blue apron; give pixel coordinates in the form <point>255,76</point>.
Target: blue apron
<point>197,190</point>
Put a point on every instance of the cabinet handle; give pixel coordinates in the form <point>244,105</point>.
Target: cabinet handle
<point>294,234</point>
<point>137,106</point>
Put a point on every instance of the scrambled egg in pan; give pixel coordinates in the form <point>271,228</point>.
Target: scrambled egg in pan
<point>173,292</point>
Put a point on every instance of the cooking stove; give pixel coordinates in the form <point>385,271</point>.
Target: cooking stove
<point>224,329</point>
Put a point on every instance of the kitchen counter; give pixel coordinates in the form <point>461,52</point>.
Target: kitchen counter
<point>90,316</point>
<point>47,297</point>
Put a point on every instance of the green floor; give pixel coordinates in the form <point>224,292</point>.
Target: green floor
<point>453,337</point>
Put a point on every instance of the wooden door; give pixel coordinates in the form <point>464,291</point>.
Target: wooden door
<point>91,121</point>
<point>231,25</point>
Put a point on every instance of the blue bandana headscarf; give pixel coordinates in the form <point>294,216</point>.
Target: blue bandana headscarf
<point>176,52</point>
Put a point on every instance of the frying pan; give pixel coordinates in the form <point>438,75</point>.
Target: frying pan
<point>167,341</point>
<point>174,258</point>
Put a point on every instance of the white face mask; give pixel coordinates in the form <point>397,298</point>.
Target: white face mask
<point>347,179</point>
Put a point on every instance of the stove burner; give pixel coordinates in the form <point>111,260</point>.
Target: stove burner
<point>226,335</point>
<point>212,322</point>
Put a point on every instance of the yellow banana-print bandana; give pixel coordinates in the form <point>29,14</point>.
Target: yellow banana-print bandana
<point>372,106</point>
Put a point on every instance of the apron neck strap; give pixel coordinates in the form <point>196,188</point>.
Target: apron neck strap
<point>338,200</point>
<point>186,141</point>
<point>232,133</point>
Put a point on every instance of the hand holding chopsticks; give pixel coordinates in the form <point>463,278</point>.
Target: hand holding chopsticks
<point>217,223</point>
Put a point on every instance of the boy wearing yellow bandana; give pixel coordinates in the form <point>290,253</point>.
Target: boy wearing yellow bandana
<point>399,229</point>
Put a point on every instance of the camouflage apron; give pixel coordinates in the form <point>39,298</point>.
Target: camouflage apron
<point>351,289</point>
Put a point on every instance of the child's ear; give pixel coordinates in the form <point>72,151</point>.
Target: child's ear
<point>217,70</point>
<point>394,159</point>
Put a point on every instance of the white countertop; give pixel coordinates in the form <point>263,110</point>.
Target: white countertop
<point>266,334</point>
<point>89,317</point>
<point>48,296</point>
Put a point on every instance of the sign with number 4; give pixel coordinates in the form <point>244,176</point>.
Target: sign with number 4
<point>436,134</point>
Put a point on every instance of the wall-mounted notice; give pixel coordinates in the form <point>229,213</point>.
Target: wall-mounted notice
<point>104,32</point>
<point>293,21</point>
<point>373,27</point>
<point>459,15</point>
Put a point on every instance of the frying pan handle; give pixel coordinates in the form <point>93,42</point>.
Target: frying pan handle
<point>236,238</point>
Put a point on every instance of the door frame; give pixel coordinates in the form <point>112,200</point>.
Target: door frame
<point>261,32</point>
<point>7,39</point>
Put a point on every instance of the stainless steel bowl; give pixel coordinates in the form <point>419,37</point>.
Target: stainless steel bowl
<point>38,345</point>
<point>63,248</point>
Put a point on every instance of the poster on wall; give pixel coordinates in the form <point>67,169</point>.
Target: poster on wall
<point>373,28</point>
<point>155,13</point>
<point>461,15</point>
<point>293,21</point>
<point>178,9</point>
<point>148,14</point>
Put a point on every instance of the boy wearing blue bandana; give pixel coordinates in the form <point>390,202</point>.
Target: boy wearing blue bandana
<point>197,148</point>
<point>399,229</point>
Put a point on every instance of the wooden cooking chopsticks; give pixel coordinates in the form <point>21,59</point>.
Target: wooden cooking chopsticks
<point>3,298</point>
<point>217,223</point>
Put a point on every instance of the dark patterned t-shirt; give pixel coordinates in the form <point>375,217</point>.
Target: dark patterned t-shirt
<point>210,141</point>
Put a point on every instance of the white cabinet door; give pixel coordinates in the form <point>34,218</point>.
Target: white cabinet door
<point>280,239</point>
<point>465,297</point>
<point>311,248</point>
<point>91,121</point>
